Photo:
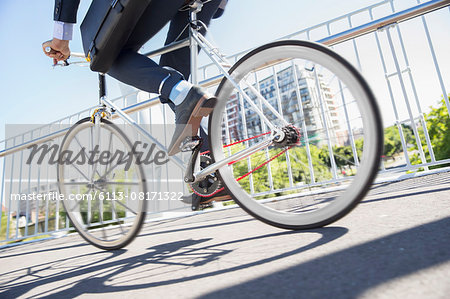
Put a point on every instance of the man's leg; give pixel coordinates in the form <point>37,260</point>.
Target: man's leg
<point>180,59</point>
<point>138,70</point>
<point>143,73</point>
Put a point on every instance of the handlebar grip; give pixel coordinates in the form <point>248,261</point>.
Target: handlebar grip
<point>49,50</point>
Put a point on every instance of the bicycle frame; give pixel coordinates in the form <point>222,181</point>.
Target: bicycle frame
<point>195,40</point>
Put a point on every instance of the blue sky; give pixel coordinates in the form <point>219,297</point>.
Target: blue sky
<point>33,92</point>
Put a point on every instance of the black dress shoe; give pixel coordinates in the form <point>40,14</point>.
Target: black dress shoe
<point>188,116</point>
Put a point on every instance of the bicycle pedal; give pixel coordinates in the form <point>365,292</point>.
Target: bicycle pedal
<point>190,143</point>
<point>199,206</point>
<point>206,205</point>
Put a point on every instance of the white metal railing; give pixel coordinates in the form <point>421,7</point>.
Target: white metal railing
<point>25,219</point>
<point>395,51</point>
<point>390,55</point>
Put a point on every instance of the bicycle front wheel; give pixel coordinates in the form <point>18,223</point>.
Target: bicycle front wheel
<point>332,132</point>
<point>102,185</point>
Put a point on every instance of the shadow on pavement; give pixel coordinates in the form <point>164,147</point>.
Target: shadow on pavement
<point>203,225</point>
<point>351,272</point>
<point>21,254</point>
<point>406,194</point>
<point>435,180</point>
<point>180,253</point>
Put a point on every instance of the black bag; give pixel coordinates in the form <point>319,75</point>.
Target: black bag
<point>107,27</point>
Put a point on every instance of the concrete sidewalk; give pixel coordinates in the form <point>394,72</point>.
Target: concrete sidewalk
<point>395,244</point>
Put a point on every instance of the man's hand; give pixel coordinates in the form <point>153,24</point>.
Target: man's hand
<point>59,49</point>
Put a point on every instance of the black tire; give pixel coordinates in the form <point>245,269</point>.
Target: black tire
<point>129,226</point>
<point>333,205</point>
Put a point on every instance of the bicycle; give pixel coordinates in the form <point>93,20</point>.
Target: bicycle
<point>277,123</point>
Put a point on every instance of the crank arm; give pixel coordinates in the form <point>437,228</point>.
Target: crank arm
<point>200,175</point>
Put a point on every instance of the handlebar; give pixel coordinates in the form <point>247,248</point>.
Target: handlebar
<point>66,62</point>
<point>78,55</point>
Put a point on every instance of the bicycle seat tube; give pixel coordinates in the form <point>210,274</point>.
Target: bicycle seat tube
<point>195,7</point>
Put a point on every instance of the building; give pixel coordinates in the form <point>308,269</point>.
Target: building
<point>288,105</point>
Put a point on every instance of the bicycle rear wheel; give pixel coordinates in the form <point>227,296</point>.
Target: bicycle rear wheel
<point>333,134</point>
<point>101,187</point>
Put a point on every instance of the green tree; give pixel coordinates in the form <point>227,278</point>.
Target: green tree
<point>438,125</point>
<point>318,156</point>
<point>359,144</point>
<point>278,168</point>
<point>392,141</point>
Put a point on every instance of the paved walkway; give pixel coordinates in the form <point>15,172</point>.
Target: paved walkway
<point>396,244</point>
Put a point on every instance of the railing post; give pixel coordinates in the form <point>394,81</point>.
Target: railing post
<point>391,96</point>
<point>264,129</point>
<point>405,96</point>
<point>36,224</point>
<point>8,209</point>
<point>349,127</point>
<point>245,129</point>
<point>323,108</point>
<point>2,194</point>
<point>280,110</point>
<point>355,47</point>
<point>304,129</point>
<point>19,191</point>
<point>436,64</point>
<point>416,97</point>
<point>27,212</point>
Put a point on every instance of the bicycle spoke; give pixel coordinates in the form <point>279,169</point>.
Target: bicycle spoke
<point>128,208</point>
<point>111,169</point>
<point>122,183</point>
<point>73,165</point>
<point>95,128</point>
<point>84,152</point>
<point>120,224</point>
<point>100,215</point>
<point>264,101</point>
<point>79,201</point>
<point>109,150</point>
<point>261,165</point>
<point>123,205</point>
<point>300,84</point>
<point>99,221</point>
<point>76,183</point>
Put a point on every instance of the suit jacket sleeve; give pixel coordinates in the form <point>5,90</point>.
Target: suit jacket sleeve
<point>66,11</point>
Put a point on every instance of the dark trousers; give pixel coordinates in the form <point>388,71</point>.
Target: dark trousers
<point>143,73</point>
